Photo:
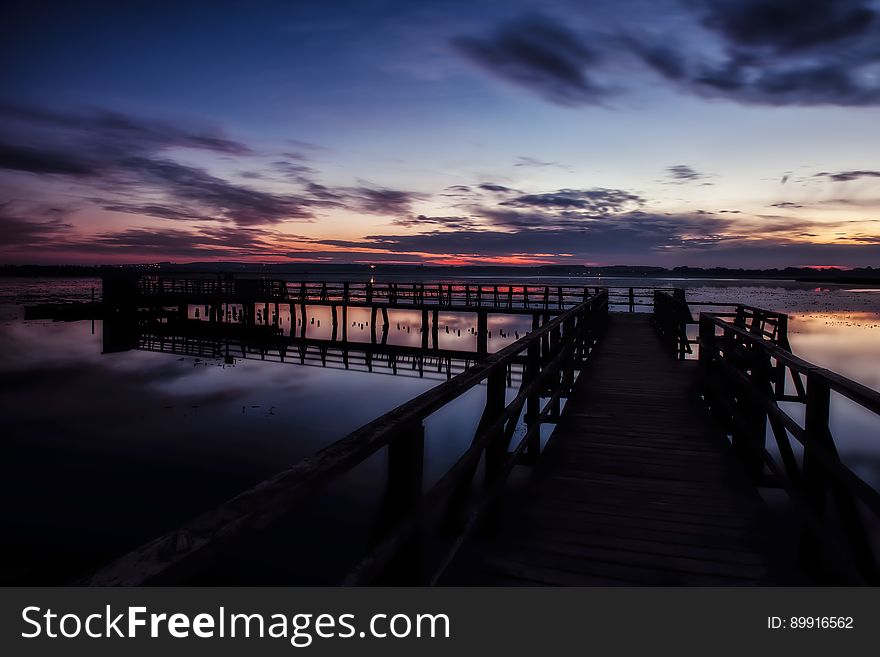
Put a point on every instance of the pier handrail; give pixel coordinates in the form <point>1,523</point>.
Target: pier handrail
<point>673,316</point>
<point>554,353</point>
<point>554,298</point>
<point>523,296</point>
<point>745,373</point>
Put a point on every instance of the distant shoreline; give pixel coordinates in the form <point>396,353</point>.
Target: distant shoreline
<point>861,276</point>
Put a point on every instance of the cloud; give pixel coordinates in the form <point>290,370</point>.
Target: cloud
<point>21,231</point>
<point>540,55</point>
<point>602,237</point>
<point>224,200</point>
<point>637,238</point>
<point>492,187</point>
<point>379,200</point>
<point>682,173</point>
<point>33,160</point>
<point>127,162</point>
<point>526,161</point>
<point>846,176</point>
<point>598,200</point>
<point>294,171</point>
<point>787,25</point>
<point>776,52</point>
<point>786,204</point>
<point>760,52</point>
<point>110,134</point>
<point>175,242</point>
<point>156,210</point>
<point>453,222</point>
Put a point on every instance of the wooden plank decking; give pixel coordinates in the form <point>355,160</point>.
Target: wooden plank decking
<point>637,487</point>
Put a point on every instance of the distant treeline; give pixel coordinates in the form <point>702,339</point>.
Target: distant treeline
<point>827,275</point>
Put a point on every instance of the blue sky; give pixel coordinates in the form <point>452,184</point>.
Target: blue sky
<point>698,132</point>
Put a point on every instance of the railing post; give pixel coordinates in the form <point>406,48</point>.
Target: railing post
<point>782,341</point>
<point>482,332</point>
<point>533,403</point>
<point>817,485</point>
<point>496,450</point>
<point>632,301</point>
<point>707,355</point>
<point>403,494</point>
<point>424,328</point>
<point>756,413</point>
<point>816,418</point>
<point>569,338</point>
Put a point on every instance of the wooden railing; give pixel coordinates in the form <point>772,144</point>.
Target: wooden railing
<point>751,380</point>
<point>467,295</point>
<point>552,298</point>
<point>450,510</point>
<point>629,299</point>
<point>673,316</point>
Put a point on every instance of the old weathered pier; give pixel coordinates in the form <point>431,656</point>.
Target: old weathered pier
<point>684,448</point>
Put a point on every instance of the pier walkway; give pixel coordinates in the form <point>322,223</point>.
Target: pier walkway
<point>637,485</point>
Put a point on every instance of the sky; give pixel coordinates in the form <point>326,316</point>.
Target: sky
<point>736,133</point>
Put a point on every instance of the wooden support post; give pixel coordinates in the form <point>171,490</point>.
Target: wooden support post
<point>707,347</point>
<point>533,403</point>
<point>373,311</point>
<point>756,416</point>
<point>435,329</point>
<point>632,301</point>
<point>482,332</point>
<point>781,340</point>
<point>555,383</point>
<point>403,494</point>
<point>816,418</point>
<point>334,323</point>
<point>496,449</point>
<point>345,328</point>
<point>425,328</point>
<point>303,318</point>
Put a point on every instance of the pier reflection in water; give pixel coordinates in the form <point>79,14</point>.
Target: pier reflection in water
<point>134,443</point>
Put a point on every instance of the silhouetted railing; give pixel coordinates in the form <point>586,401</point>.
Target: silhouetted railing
<point>746,368</point>
<point>630,299</point>
<point>454,295</point>
<point>451,509</point>
<point>673,317</point>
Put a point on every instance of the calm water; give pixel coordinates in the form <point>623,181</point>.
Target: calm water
<point>110,450</point>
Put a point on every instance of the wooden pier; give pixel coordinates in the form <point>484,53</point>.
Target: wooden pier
<point>669,433</point>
